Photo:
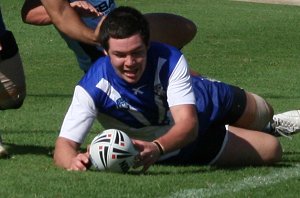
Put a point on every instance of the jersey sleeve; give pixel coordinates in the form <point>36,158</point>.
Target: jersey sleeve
<point>79,117</point>
<point>180,90</point>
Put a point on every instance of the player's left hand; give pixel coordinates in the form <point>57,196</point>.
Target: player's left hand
<point>149,154</point>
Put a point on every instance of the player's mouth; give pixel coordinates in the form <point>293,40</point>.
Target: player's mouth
<point>132,73</point>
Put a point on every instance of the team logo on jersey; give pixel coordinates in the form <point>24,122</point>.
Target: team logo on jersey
<point>137,90</point>
<point>122,104</point>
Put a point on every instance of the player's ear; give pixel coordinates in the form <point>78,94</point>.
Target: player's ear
<point>105,52</point>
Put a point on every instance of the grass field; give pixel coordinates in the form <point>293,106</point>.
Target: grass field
<point>255,46</point>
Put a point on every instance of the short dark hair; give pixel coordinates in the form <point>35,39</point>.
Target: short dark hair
<point>124,22</point>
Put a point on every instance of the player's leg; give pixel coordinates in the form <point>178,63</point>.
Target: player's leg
<point>245,147</point>
<point>171,29</point>
<point>12,78</point>
<point>233,105</point>
<point>237,107</point>
<point>257,113</point>
<point>286,123</point>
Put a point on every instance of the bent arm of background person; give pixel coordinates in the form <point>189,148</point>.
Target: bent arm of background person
<point>33,12</point>
<point>65,18</point>
<point>66,155</point>
<point>166,28</point>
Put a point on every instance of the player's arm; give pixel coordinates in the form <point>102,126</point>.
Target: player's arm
<point>65,18</point>
<point>183,132</point>
<point>76,125</point>
<point>33,11</point>
<point>181,99</point>
<point>67,155</point>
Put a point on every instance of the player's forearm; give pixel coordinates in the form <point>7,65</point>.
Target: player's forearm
<point>184,131</point>
<point>64,153</point>
<point>177,138</point>
<point>65,18</point>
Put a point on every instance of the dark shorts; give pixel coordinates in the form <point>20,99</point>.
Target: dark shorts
<point>9,46</point>
<point>212,137</point>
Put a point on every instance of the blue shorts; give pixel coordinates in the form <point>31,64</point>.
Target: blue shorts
<point>218,104</point>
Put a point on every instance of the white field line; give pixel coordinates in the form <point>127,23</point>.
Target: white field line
<point>283,2</point>
<point>276,176</point>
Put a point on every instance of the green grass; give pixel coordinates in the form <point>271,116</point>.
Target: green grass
<point>255,46</point>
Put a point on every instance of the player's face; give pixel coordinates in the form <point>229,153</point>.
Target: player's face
<point>128,57</point>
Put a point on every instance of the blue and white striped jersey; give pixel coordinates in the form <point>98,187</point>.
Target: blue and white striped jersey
<point>142,109</point>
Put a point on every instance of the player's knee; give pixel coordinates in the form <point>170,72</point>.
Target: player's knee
<point>18,102</point>
<point>273,152</point>
<point>264,113</point>
<point>13,102</point>
<point>191,29</point>
<point>189,34</point>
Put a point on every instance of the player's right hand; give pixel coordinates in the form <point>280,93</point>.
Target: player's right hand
<point>80,162</point>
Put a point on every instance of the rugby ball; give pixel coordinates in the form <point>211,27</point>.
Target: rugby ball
<point>112,150</point>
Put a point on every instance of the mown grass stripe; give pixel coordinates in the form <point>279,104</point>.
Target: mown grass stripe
<point>276,176</point>
<point>283,2</point>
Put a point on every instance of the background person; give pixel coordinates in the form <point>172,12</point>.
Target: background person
<point>168,28</point>
<point>145,90</point>
<point>12,79</point>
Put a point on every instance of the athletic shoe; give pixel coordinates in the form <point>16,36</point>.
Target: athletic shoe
<point>287,123</point>
<point>3,152</point>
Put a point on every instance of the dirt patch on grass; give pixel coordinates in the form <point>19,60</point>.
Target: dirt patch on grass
<point>283,2</point>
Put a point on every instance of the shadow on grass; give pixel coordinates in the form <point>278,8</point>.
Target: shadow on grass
<point>14,149</point>
<point>291,159</point>
<point>279,96</point>
<point>50,95</point>
<point>177,170</point>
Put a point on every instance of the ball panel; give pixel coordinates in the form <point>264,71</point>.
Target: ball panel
<point>112,150</point>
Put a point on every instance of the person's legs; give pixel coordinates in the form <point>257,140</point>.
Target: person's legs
<point>257,114</point>
<point>12,78</point>
<point>286,123</point>
<point>12,83</point>
<point>249,148</point>
<point>171,29</point>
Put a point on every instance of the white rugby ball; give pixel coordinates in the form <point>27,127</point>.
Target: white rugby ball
<point>112,150</point>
